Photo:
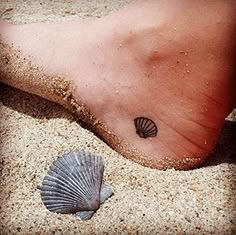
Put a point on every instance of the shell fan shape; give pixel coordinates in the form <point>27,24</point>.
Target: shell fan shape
<point>145,127</point>
<point>73,185</point>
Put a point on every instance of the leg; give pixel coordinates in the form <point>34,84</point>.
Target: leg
<point>153,59</point>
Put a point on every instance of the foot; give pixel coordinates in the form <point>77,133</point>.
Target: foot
<point>138,62</point>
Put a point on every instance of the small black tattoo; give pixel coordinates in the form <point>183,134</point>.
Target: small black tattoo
<point>145,127</point>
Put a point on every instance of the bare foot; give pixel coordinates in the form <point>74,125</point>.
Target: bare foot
<point>155,59</point>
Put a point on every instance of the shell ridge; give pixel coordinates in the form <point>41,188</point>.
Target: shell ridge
<point>84,174</point>
<point>151,135</point>
<point>73,178</point>
<point>64,180</point>
<point>147,125</point>
<point>102,172</point>
<point>60,199</point>
<point>144,126</point>
<point>64,190</point>
<point>62,209</point>
<point>93,171</point>
<point>90,161</point>
<point>58,194</point>
<point>98,167</point>
<point>80,162</point>
<point>137,123</point>
<point>144,122</point>
<point>74,201</point>
<point>95,168</point>
<point>52,205</point>
<point>83,189</point>
<point>152,131</point>
<point>97,179</point>
<point>59,182</point>
<point>151,126</point>
<point>80,174</point>
<point>94,181</point>
<point>60,163</point>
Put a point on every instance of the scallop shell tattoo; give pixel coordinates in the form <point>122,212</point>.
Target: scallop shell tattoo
<point>145,127</point>
<point>74,185</point>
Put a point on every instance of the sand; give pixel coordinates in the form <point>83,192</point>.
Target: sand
<point>34,131</point>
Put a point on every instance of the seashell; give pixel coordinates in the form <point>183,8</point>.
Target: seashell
<point>106,192</point>
<point>145,127</point>
<point>74,184</point>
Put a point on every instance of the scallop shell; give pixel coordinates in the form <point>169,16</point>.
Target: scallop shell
<point>145,127</point>
<point>73,183</point>
<point>106,192</point>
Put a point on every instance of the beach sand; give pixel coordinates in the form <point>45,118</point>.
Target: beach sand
<point>34,131</point>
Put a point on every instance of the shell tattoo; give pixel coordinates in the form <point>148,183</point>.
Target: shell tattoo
<point>74,185</point>
<point>145,127</point>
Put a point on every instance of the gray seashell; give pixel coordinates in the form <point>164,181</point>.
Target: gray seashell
<point>106,192</point>
<point>85,215</point>
<point>73,184</point>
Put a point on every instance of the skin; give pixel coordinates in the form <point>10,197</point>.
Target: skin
<point>170,61</point>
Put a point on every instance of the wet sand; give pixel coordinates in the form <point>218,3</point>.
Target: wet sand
<point>34,131</point>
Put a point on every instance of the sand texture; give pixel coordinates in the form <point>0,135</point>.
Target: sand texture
<point>34,131</point>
